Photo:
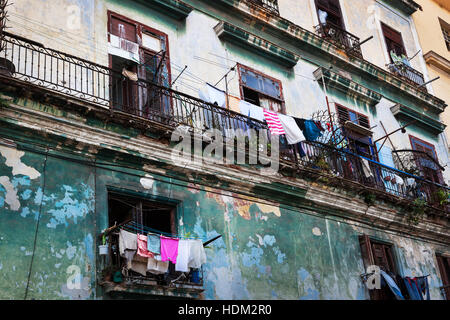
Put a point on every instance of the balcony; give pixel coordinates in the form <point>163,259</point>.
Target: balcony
<point>408,74</point>
<point>340,38</point>
<point>155,106</point>
<point>271,5</point>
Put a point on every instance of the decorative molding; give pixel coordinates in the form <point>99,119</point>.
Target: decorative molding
<point>408,7</point>
<point>174,8</point>
<point>437,60</point>
<point>238,36</point>
<point>346,85</point>
<point>402,112</point>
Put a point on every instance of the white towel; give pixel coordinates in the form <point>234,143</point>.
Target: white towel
<point>399,180</point>
<point>127,240</point>
<point>293,133</point>
<point>183,256</point>
<point>251,110</point>
<point>197,255</point>
<point>366,168</point>
<point>156,266</point>
<point>213,95</point>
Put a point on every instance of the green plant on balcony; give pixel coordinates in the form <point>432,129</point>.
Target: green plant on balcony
<point>442,197</point>
<point>416,211</point>
<point>369,198</point>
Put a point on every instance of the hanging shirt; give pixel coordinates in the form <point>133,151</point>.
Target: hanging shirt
<point>366,168</point>
<point>213,95</point>
<point>142,247</point>
<point>309,128</point>
<point>183,256</point>
<point>274,123</point>
<point>154,243</point>
<point>293,133</point>
<point>127,241</point>
<point>197,255</point>
<point>169,249</point>
<point>251,110</point>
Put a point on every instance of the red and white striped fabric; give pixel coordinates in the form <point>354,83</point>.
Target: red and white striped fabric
<point>274,122</point>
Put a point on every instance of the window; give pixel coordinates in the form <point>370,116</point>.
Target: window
<point>394,41</point>
<point>261,90</point>
<point>153,214</point>
<point>444,269</point>
<point>446,32</point>
<point>329,11</point>
<point>359,143</point>
<point>148,61</point>
<point>379,254</point>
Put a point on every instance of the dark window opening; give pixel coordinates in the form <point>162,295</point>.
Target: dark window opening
<point>329,11</point>
<point>394,41</point>
<point>151,214</point>
<point>446,32</point>
<point>261,90</point>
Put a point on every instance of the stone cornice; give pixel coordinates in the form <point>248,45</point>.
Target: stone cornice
<point>406,6</point>
<point>238,36</point>
<point>430,124</point>
<point>285,29</point>
<point>347,86</point>
<point>175,8</point>
<point>437,60</point>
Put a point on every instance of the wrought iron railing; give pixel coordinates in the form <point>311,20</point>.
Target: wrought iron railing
<point>408,74</point>
<point>31,62</point>
<point>340,37</point>
<point>271,5</point>
<point>193,278</point>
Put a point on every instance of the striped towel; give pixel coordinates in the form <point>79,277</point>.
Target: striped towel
<point>274,122</point>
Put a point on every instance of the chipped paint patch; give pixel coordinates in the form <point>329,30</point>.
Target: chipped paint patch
<point>11,197</point>
<point>13,160</point>
<point>147,182</point>
<point>265,208</point>
<point>316,231</point>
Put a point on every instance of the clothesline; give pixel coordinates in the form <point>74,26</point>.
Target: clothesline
<point>136,227</point>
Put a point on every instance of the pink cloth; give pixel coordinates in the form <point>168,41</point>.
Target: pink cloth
<point>274,123</point>
<point>142,247</point>
<point>169,249</point>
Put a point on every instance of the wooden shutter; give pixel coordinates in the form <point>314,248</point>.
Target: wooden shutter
<point>393,40</point>
<point>123,29</point>
<point>366,251</point>
<point>333,8</point>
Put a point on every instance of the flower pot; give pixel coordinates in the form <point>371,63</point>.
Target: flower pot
<point>103,249</point>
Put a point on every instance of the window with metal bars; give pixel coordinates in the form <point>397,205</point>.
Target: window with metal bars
<point>345,114</point>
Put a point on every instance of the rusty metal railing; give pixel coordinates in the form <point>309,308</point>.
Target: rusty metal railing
<point>340,37</point>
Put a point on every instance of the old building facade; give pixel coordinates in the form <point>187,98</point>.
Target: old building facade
<point>91,92</point>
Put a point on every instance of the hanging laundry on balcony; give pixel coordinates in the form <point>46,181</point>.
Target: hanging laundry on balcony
<point>183,256</point>
<point>127,246</point>
<point>392,285</point>
<point>310,129</point>
<point>213,95</point>
<point>154,243</point>
<point>417,288</point>
<point>169,249</point>
<point>197,255</point>
<point>366,168</point>
<point>157,266</point>
<point>129,74</point>
<point>251,110</point>
<point>293,133</point>
<point>233,103</point>
<point>142,247</point>
<point>274,123</point>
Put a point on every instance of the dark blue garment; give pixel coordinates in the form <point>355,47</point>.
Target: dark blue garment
<point>300,150</point>
<point>423,286</point>
<point>311,131</point>
<point>412,289</point>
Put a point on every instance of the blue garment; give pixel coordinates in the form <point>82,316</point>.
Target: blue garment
<point>423,285</point>
<point>412,289</point>
<point>392,285</point>
<point>311,132</point>
<point>300,150</point>
<point>154,243</point>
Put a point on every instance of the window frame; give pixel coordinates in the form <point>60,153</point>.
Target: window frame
<point>387,29</point>
<point>445,274</point>
<point>141,28</point>
<point>417,141</point>
<point>340,13</point>
<point>445,27</point>
<point>242,85</point>
<point>359,114</point>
